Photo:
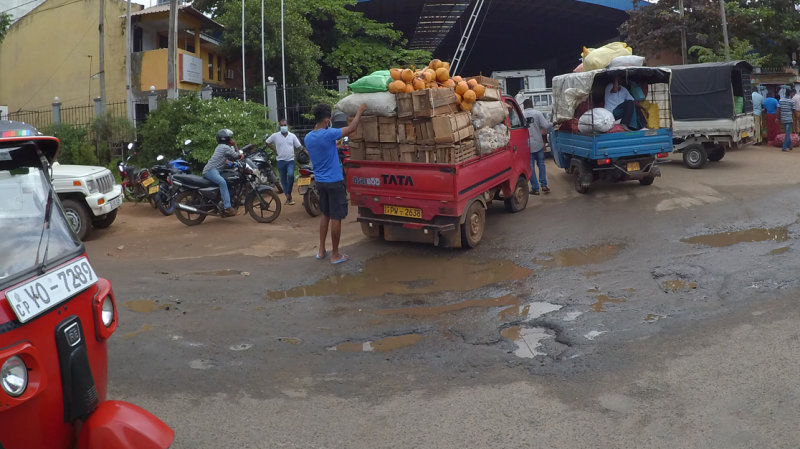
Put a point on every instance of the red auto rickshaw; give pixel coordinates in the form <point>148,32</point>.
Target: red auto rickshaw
<point>56,316</point>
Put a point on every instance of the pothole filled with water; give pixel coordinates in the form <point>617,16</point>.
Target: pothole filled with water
<point>780,234</point>
<point>382,345</point>
<point>587,255</point>
<point>527,339</point>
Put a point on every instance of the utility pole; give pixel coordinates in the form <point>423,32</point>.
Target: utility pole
<point>263,61</point>
<point>725,30</point>
<point>128,48</point>
<point>244,76</point>
<point>172,91</point>
<point>283,68</point>
<point>683,32</point>
<point>102,72</point>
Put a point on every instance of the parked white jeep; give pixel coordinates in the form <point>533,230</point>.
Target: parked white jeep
<point>89,196</point>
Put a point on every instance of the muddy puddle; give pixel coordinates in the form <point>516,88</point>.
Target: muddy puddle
<point>653,317</point>
<point>141,330</point>
<point>721,239</point>
<point>675,285</point>
<point>602,300</point>
<point>527,339</point>
<point>226,272</point>
<point>143,305</point>
<point>383,345</point>
<point>527,312</point>
<point>432,311</point>
<point>587,255</point>
<point>407,274</point>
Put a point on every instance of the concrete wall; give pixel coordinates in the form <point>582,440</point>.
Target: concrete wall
<point>53,50</point>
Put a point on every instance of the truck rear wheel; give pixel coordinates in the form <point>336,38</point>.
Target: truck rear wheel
<point>695,156</point>
<point>519,198</point>
<point>372,232</point>
<point>77,217</point>
<point>581,186</point>
<point>474,225</point>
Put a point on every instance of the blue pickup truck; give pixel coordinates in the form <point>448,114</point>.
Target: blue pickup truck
<point>616,156</point>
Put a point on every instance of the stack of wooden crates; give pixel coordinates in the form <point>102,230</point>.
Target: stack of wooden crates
<point>428,128</point>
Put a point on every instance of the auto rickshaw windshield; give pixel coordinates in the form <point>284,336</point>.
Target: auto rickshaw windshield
<point>32,238</point>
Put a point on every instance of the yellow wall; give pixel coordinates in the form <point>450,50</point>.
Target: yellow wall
<point>154,69</point>
<point>46,54</point>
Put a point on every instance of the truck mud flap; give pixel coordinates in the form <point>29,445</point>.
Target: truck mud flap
<point>404,231</point>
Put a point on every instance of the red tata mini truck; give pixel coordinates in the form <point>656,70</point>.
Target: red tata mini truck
<point>443,204</point>
<point>56,316</point>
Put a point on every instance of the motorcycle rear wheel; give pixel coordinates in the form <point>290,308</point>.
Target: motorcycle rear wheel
<point>311,202</point>
<point>258,211</point>
<point>165,205</point>
<point>192,199</point>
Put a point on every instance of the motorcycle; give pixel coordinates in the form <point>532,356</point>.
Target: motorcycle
<point>264,172</point>
<point>137,184</point>
<point>165,197</point>
<point>198,197</point>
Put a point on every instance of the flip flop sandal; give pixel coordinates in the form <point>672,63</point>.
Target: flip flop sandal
<point>323,256</point>
<point>343,259</point>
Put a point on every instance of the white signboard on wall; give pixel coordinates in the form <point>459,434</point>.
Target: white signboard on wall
<point>3,112</point>
<point>191,69</point>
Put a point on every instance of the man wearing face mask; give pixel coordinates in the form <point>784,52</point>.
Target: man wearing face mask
<point>284,144</point>
<point>321,145</point>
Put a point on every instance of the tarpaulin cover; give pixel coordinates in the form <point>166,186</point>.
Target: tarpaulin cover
<point>706,91</point>
<point>573,88</point>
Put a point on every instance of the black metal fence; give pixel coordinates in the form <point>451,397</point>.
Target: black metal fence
<point>74,115</point>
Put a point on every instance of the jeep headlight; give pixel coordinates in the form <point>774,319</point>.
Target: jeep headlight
<point>92,186</point>
<point>14,376</point>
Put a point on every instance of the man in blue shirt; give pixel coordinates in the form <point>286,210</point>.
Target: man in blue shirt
<point>321,146</point>
<point>773,124</point>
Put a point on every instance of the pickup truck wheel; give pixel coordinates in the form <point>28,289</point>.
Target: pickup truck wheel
<point>580,174</point>
<point>474,225</point>
<point>716,154</point>
<point>695,156</point>
<point>647,181</point>
<point>519,199</point>
<point>106,220</point>
<point>77,217</point>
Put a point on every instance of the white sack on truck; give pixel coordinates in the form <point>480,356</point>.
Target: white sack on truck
<point>627,61</point>
<point>490,139</point>
<point>486,114</point>
<point>378,103</point>
<point>597,120</point>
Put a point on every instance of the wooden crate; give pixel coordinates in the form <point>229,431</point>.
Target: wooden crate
<point>452,128</point>
<point>485,80</point>
<point>405,105</point>
<point>431,102</point>
<point>387,129</point>
<point>370,131</point>
<point>358,151</point>
<point>358,134</point>
<point>491,94</point>
<point>406,131</point>
<point>407,152</point>
<point>426,154</point>
<point>456,153</point>
<point>390,152</point>
<point>373,152</point>
<point>423,129</point>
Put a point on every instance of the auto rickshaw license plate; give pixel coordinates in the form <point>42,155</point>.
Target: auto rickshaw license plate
<point>147,182</point>
<point>152,190</point>
<point>633,166</point>
<point>39,295</point>
<point>408,212</point>
<point>304,181</point>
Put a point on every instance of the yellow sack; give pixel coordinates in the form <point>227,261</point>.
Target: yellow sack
<point>600,58</point>
<point>653,117</point>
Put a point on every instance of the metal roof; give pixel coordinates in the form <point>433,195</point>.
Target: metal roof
<point>435,22</point>
<point>187,9</point>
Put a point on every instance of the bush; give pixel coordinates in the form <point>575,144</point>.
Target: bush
<point>75,145</point>
<point>107,130</point>
<point>199,120</point>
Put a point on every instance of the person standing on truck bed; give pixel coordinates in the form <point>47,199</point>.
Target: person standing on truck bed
<point>321,146</point>
<point>536,124</point>
<point>284,144</point>
<point>786,106</point>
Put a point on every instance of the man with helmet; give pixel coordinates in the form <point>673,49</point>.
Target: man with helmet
<point>224,152</point>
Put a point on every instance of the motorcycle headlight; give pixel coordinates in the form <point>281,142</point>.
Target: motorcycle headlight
<point>14,376</point>
<point>107,313</point>
<point>91,184</point>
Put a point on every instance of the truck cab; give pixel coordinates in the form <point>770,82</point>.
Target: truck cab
<point>89,194</point>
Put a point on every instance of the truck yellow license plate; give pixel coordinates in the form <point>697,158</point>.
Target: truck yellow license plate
<point>633,166</point>
<point>147,182</point>
<point>408,212</point>
<point>303,181</point>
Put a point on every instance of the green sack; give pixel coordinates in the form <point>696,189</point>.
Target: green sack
<point>738,104</point>
<point>374,82</point>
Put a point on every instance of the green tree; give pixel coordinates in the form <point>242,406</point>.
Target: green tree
<point>5,22</point>
<point>739,50</point>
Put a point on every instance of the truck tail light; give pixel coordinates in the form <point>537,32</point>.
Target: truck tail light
<point>662,155</point>
<point>605,161</point>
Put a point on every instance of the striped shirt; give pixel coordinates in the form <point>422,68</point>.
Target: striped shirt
<point>786,107</point>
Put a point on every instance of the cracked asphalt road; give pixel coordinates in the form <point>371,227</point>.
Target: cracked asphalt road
<point>661,316</point>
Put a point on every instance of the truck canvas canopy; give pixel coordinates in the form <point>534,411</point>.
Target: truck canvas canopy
<point>572,89</point>
<point>706,91</point>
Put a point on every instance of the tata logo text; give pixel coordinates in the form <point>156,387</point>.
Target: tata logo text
<point>398,180</point>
